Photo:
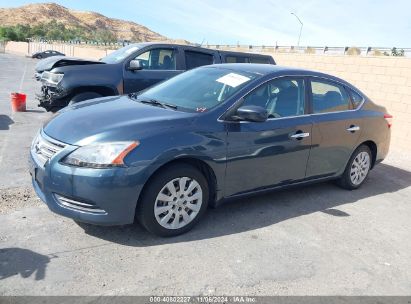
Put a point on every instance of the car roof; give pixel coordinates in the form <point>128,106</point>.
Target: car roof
<point>145,44</point>
<point>274,70</point>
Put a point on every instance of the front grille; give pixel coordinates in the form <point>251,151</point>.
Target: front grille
<point>78,205</point>
<point>44,148</point>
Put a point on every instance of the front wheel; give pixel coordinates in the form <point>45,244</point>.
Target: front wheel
<point>357,169</point>
<point>173,201</point>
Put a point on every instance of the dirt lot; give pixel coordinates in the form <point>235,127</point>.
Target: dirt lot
<point>317,240</point>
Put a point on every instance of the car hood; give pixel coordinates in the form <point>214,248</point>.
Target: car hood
<point>119,118</point>
<point>50,63</point>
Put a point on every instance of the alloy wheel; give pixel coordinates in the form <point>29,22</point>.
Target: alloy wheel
<point>360,167</point>
<point>178,203</point>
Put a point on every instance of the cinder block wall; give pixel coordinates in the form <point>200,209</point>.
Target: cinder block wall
<point>90,53</point>
<point>20,48</point>
<point>386,80</point>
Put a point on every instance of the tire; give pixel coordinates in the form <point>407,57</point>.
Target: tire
<point>357,170</point>
<point>84,96</point>
<point>39,57</point>
<point>178,205</point>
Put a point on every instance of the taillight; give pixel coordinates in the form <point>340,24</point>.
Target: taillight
<point>388,118</point>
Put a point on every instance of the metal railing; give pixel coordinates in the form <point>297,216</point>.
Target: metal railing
<point>330,50</point>
<point>67,47</point>
<point>34,47</point>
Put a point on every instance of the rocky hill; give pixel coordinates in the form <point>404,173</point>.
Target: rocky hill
<point>89,21</point>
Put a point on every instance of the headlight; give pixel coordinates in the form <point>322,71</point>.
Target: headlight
<point>103,155</point>
<point>53,78</point>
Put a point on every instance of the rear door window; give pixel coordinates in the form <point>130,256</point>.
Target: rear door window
<point>197,59</point>
<point>328,97</point>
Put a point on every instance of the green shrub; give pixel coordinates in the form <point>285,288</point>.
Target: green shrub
<point>309,50</point>
<point>353,51</point>
<point>376,53</point>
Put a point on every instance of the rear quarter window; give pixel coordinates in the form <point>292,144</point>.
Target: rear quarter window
<point>356,98</point>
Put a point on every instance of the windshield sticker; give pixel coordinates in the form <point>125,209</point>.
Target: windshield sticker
<point>201,109</point>
<point>233,79</point>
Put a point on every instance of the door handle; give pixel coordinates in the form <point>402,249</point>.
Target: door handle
<point>299,135</point>
<point>353,128</point>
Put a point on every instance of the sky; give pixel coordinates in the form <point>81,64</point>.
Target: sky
<point>263,22</point>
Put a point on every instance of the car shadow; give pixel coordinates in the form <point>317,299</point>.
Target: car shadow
<point>35,111</point>
<point>23,262</point>
<point>256,212</point>
<point>5,122</point>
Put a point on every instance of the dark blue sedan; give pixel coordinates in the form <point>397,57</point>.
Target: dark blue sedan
<point>223,131</point>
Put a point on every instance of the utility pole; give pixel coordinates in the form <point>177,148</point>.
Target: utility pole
<point>301,28</point>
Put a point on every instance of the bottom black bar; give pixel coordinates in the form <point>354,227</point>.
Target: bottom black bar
<point>205,299</point>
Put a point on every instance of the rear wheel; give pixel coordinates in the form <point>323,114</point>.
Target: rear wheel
<point>84,96</point>
<point>357,169</point>
<point>173,201</point>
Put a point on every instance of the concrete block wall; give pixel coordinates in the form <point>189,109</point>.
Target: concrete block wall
<point>20,48</point>
<point>90,53</point>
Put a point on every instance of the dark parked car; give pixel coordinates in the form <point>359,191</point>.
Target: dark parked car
<point>212,133</point>
<point>46,54</point>
<point>129,69</point>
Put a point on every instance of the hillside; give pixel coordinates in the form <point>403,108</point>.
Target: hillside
<point>33,14</point>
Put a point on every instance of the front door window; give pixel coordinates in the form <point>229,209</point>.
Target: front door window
<point>282,97</point>
<point>158,59</point>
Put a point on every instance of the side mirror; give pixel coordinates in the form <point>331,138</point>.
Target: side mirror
<point>135,65</point>
<point>251,113</point>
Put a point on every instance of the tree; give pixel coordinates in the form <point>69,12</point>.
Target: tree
<point>104,36</point>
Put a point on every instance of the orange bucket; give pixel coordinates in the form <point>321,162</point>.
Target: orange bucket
<point>18,102</point>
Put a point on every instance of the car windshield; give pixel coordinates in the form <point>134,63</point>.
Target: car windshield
<point>120,54</point>
<point>199,89</point>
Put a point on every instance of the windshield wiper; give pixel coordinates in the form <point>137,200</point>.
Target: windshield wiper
<point>158,103</point>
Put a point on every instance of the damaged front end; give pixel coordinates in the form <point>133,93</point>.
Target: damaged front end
<point>52,96</point>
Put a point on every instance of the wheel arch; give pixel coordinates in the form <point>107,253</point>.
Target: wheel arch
<point>195,162</point>
<point>102,90</point>
<point>374,150</point>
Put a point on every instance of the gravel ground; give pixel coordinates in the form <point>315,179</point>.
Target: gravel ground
<point>18,198</point>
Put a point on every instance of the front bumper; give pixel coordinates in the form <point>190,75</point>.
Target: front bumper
<point>51,97</point>
<point>96,196</point>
